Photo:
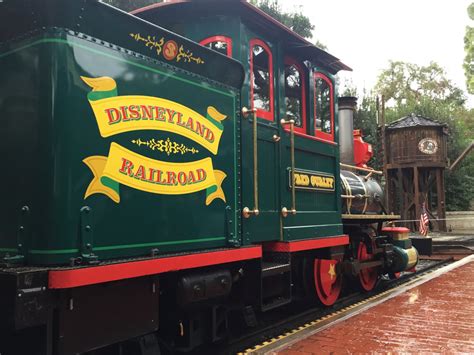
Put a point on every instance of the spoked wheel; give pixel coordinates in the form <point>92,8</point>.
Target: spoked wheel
<point>327,281</point>
<point>367,277</point>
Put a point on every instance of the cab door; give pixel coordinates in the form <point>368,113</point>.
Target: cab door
<point>312,210</point>
<point>260,157</point>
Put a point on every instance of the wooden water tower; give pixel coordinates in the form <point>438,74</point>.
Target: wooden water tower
<point>416,156</point>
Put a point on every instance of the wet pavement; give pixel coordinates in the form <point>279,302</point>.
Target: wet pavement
<point>434,317</point>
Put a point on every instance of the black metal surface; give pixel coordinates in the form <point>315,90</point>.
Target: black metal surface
<point>26,309</point>
<point>424,245</point>
<point>197,287</point>
<point>20,18</point>
<point>95,316</point>
<point>273,268</point>
<point>25,300</point>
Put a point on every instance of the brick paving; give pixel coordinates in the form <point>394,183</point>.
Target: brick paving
<point>436,317</point>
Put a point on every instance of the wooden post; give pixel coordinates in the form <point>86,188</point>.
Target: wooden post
<point>417,201</point>
<point>441,199</point>
<point>387,201</point>
<point>401,194</point>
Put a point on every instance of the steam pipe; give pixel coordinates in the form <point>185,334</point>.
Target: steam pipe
<point>347,105</point>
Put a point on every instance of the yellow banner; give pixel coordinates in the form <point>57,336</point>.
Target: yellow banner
<point>118,114</point>
<point>134,170</point>
<point>131,113</point>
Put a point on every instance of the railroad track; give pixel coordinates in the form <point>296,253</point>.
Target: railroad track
<point>294,320</point>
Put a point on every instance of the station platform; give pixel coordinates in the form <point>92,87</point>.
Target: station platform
<point>465,239</point>
<point>436,316</point>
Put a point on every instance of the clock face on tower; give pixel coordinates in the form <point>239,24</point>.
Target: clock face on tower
<point>428,146</point>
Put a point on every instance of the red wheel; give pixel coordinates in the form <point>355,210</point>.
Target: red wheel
<point>394,275</point>
<point>327,281</point>
<point>367,277</point>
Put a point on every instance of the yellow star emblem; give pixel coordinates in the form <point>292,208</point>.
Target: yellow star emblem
<point>332,271</point>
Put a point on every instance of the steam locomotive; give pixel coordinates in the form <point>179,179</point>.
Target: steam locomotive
<point>173,173</point>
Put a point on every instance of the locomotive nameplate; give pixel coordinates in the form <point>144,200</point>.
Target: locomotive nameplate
<point>312,180</point>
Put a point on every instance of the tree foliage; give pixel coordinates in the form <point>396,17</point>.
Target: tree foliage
<point>407,83</point>
<point>129,5</point>
<point>296,21</point>
<point>469,50</point>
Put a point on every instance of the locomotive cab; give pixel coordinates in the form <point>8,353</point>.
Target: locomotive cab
<point>290,89</point>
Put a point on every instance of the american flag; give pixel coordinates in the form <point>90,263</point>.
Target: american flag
<point>424,221</point>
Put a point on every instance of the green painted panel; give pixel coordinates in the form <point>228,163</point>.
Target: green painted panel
<point>265,226</point>
<point>318,212</point>
<point>60,132</point>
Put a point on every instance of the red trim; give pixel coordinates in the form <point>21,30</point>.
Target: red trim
<point>157,5</point>
<point>291,247</point>
<point>304,135</point>
<point>318,133</point>
<point>113,272</point>
<point>225,39</point>
<point>267,115</point>
<point>289,62</point>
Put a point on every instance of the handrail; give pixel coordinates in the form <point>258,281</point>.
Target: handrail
<point>284,210</point>
<point>350,197</point>
<point>369,170</point>
<point>247,212</point>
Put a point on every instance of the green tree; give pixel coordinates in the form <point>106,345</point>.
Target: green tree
<point>365,119</point>
<point>293,20</point>
<point>296,21</point>
<point>129,5</point>
<point>469,49</point>
<point>407,83</point>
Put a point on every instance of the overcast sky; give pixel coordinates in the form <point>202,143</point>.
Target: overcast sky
<point>366,34</point>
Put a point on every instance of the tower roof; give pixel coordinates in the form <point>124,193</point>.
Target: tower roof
<point>415,120</point>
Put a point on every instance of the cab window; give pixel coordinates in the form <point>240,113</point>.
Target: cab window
<point>221,44</point>
<point>295,102</point>
<point>261,79</point>
<point>323,107</point>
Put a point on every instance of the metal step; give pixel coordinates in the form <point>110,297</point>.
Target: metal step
<point>275,303</point>
<point>273,268</point>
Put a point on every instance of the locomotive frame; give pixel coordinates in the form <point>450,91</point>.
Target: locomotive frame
<point>180,196</point>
